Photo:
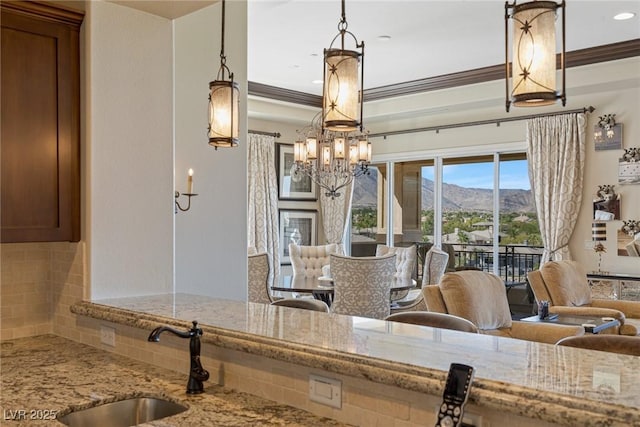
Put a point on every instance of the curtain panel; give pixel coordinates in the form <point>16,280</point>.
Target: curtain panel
<point>262,206</point>
<point>556,153</point>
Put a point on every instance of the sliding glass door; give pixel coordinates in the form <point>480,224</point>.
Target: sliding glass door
<point>478,208</point>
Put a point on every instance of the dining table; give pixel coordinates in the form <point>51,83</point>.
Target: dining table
<point>322,287</point>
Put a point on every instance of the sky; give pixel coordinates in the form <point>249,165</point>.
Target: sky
<point>513,175</point>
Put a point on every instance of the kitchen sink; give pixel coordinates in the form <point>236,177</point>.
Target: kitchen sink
<point>124,413</point>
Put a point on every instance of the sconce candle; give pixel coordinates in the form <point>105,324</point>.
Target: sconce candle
<point>190,182</point>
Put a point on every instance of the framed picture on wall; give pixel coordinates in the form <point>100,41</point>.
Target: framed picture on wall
<point>296,225</point>
<point>292,188</point>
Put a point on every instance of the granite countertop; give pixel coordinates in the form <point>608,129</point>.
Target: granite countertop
<point>540,381</point>
<point>47,375</point>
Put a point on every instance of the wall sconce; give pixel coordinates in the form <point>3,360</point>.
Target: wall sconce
<point>189,194</point>
<point>343,87</point>
<point>607,133</point>
<point>533,64</point>
<point>224,103</point>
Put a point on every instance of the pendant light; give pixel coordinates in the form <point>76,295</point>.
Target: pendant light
<point>533,62</point>
<point>343,80</point>
<point>224,103</point>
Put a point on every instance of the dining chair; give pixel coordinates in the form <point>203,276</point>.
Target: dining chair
<point>406,259</point>
<point>621,344</point>
<point>303,303</point>
<point>435,320</point>
<point>481,298</point>
<point>362,285</point>
<point>435,265</point>
<point>308,261</point>
<point>565,285</point>
<point>258,274</point>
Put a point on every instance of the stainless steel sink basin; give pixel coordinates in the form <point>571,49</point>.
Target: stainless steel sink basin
<point>123,413</point>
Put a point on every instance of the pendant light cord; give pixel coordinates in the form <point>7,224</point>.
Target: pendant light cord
<point>223,59</point>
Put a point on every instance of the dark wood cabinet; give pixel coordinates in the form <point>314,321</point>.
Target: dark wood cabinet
<point>40,146</point>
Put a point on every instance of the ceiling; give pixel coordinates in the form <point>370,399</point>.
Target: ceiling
<point>426,38</point>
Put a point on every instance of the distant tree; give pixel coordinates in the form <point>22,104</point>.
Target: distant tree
<point>364,219</point>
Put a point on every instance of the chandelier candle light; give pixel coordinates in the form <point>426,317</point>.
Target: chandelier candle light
<point>224,103</point>
<point>533,68</point>
<point>335,149</point>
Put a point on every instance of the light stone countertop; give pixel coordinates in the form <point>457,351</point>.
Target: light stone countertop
<point>45,376</point>
<point>535,380</point>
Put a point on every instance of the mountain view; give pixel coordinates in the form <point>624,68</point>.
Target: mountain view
<point>454,197</point>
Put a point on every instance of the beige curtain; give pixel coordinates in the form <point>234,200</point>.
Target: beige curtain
<point>555,150</point>
<point>335,212</point>
<point>262,206</point>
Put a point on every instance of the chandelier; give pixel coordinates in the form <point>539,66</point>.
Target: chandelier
<point>330,159</point>
<point>335,149</point>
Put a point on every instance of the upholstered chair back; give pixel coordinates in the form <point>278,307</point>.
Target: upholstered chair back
<point>303,303</point>
<point>362,285</point>
<point>435,265</point>
<point>435,320</point>
<point>477,296</point>
<point>258,273</point>
<point>406,259</point>
<point>307,261</point>
<point>251,250</point>
<point>561,283</point>
<point>620,344</point>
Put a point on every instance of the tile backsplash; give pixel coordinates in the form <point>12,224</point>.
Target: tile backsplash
<point>38,282</point>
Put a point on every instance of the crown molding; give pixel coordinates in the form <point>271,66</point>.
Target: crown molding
<point>45,10</point>
<point>285,95</point>
<point>576,58</point>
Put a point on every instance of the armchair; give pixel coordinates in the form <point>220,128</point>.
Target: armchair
<point>564,284</point>
<point>481,298</point>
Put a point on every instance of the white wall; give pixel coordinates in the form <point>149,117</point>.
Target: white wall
<point>129,151</point>
<point>211,238</point>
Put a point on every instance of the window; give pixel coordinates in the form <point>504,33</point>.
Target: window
<point>451,202</point>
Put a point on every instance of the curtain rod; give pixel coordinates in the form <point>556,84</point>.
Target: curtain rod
<point>259,132</point>
<point>480,122</point>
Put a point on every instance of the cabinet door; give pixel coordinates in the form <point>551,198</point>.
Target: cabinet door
<point>40,130</point>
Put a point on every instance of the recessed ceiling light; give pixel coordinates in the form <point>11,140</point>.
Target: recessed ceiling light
<point>317,82</point>
<point>314,54</point>
<point>624,15</point>
<point>384,38</point>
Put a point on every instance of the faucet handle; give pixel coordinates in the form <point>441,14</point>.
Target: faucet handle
<point>195,330</point>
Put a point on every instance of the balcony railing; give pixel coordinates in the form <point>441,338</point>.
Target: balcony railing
<point>514,261</point>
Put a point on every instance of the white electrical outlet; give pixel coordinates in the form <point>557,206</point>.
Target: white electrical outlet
<point>327,391</point>
<point>108,336</point>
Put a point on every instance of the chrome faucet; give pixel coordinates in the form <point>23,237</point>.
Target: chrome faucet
<point>197,374</point>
